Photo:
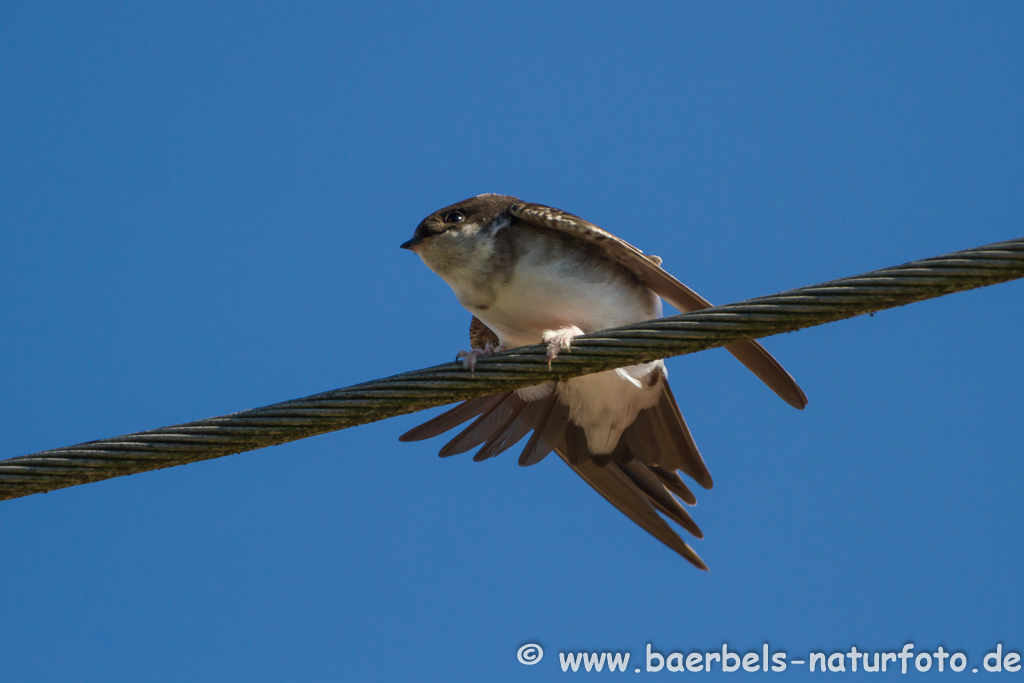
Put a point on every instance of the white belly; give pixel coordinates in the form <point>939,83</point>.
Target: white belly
<point>548,294</point>
<point>538,299</point>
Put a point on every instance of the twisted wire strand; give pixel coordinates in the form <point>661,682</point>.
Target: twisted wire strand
<point>442,384</point>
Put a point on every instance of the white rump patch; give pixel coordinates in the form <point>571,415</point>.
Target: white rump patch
<point>603,404</point>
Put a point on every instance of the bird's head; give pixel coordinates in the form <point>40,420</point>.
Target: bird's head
<point>461,233</point>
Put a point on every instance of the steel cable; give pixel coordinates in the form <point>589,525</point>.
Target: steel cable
<point>442,384</point>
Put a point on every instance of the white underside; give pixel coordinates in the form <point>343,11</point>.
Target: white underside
<point>541,298</point>
<point>605,403</point>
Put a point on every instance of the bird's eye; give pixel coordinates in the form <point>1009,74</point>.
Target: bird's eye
<point>454,217</point>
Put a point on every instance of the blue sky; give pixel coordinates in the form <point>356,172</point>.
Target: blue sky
<point>200,212</point>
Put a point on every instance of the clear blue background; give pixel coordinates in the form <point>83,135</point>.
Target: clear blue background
<point>200,212</point>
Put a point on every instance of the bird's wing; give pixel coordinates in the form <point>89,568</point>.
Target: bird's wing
<point>502,420</point>
<point>660,439</point>
<point>640,478</point>
<point>630,482</point>
<point>648,269</point>
<point>466,410</point>
<point>636,491</point>
<point>480,335</point>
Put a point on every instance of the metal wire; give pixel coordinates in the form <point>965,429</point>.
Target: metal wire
<point>371,401</point>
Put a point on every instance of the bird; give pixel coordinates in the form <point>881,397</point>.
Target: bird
<point>531,274</point>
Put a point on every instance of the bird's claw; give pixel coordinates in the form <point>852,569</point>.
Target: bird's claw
<point>468,358</point>
<point>560,339</point>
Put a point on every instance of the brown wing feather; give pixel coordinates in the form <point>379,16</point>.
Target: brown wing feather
<point>659,494</point>
<point>547,436</point>
<point>514,429</point>
<point>629,484</point>
<point>690,460</point>
<point>485,426</point>
<point>659,437</point>
<point>466,410</point>
<point>619,490</point>
<point>674,483</point>
<point>480,335</point>
<point>632,482</point>
<point>536,449</point>
<point>647,268</point>
<point>638,478</point>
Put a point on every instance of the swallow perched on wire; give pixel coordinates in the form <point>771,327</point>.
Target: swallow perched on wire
<point>533,274</point>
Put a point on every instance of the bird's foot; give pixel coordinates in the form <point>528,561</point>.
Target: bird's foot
<point>468,358</point>
<point>560,339</point>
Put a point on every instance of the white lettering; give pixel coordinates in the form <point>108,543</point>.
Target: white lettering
<point>651,654</point>
<point>618,661</point>
<point>726,666</point>
<point>853,654</point>
<point>592,661</point>
<point>570,660</point>
<point>998,656</point>
<point>906,654</point>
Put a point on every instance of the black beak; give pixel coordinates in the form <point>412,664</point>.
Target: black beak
<point>411,244</point>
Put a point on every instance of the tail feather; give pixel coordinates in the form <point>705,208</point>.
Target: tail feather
<point>536,449</point>
<point>514,429</point>
<point>688,457</point>
<point>552,435</point>
<point>619,490</point>
<point>659,494</point>
<point>575,446</point>
<point>646,439</point>
<point>484,426</point>
<point>674,483</point>
<point>451,419</point>
<point>639,477</point>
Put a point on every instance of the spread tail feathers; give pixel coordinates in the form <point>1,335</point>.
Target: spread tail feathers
<point>613,482</point>
<point>639,477</point>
